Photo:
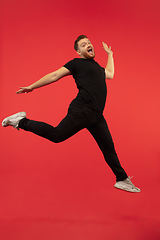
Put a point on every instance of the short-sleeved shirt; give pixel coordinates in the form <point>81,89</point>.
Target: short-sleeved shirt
<point>90,80</point>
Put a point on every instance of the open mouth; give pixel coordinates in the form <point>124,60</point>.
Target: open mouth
<point>90,51</point>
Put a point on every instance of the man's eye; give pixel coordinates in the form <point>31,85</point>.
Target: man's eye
<point>83,45</point>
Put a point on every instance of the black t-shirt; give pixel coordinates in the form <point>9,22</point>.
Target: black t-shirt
<point>90,79</point>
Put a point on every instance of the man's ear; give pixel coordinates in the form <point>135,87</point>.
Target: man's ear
<point>78,52</point>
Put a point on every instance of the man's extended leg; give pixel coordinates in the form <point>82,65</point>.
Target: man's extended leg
<point>101,134</point>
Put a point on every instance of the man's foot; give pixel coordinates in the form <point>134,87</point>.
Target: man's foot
<point>127,185</point>
<point>13,120</point>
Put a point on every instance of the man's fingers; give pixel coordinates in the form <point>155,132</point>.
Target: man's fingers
<point>104,44</point>
<point>24,90</point>
<point>106,47</point>
<point>21,90</point>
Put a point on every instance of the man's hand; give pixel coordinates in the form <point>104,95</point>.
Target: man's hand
<point>107,49</point>
<point>109,70</point>
<point>24,90</point>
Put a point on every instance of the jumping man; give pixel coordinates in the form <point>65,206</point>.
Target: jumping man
<point>85,111</point>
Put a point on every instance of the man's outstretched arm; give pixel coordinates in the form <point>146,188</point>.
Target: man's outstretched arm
<point>109,70</point>
<point>47,79</point>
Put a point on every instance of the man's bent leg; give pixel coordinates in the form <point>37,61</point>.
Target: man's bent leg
<point>102,135</point>
<point>63,131</point>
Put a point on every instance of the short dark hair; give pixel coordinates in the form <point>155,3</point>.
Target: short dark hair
<point>77,40</point>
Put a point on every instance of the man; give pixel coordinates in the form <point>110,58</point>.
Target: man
<point>85,111</point>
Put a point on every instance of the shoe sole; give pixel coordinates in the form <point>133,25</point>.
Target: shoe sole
<point>127,189</point>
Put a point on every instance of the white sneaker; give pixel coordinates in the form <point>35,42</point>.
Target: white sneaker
<point>13,120</point>
<point>127,185</point>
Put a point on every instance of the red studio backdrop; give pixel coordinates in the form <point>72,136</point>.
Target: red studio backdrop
<point>65,191</point>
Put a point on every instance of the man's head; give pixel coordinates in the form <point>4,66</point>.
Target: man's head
<point>84,48</point>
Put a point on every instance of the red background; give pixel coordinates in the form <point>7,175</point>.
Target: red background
<point>65,191</point>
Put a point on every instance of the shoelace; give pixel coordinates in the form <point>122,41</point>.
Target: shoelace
<point>130,177</point>
<point>131,182</point>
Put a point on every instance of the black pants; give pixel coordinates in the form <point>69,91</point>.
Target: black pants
<point>75,120</point>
